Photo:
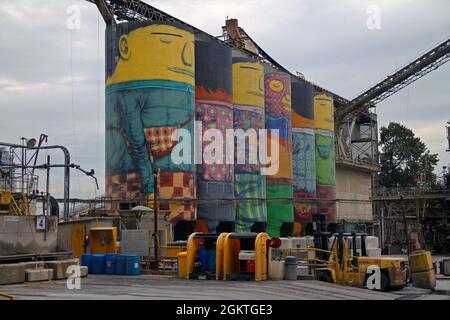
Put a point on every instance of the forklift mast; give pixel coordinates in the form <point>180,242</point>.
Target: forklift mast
<point>339,238</point>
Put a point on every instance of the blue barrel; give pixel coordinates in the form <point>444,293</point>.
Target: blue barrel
<point>212,260</point>
<point>98,264</point>
<point>133,265</point>
<point>110,263</point>
<point>203,254</point>
<point>86,260</point>
<point>121,264</point>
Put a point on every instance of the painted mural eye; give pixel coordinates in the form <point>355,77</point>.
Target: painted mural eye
<point>124,49</point>
<point>276,85</point>
<point>186,55</point>
<point>165,40</point>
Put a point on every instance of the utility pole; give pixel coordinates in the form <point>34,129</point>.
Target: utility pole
<point>448,135</point>
<point>405,225</point>
<point>48,206</point>
<point>155,218</point>
<point>22,162</point>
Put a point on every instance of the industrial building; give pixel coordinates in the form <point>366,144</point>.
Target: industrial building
<point>223,163</point>
<point>346,207</point>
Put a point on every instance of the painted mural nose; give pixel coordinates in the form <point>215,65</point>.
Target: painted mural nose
<point>261,84</point>
<point>186,55</point>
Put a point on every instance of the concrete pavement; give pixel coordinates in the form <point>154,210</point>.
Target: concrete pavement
<point>156,287</point>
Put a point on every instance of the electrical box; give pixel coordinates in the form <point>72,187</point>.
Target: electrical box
<point>103,240</point>
<point>134,242</point>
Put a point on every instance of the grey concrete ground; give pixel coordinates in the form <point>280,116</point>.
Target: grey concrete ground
<point>443,284</point>
<point>155,287</point>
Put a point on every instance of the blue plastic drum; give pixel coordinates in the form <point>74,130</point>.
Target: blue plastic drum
<point>86,260</point>
<point>203,254</point>
<point>110,263</point>
<point>133,265</point>
<point>121,264</point>
<point>212,260</point>
<point>98,264</point>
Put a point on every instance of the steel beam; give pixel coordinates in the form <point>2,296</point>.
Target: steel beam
<point>415,70</point>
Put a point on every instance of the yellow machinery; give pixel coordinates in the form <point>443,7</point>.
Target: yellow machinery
<point>420,261</point>
<point>13,203</point>
<point>103,240</point>
<point>422,270</point>
<point>220,244</point>
<point>346,269</point>
<point>201,256</point>
<point>237,256</point>
<point>6,296</point>
<point>168,250</point>
<point>245,256</point>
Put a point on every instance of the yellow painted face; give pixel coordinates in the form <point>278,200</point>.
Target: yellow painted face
<point>279,91</point>
<point>286,102</point>
<point>323,112</point>
<point>248,84</point>
<point>156,52</point>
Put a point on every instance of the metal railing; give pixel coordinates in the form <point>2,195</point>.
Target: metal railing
<point>16,183</point>
<point>397,192</point>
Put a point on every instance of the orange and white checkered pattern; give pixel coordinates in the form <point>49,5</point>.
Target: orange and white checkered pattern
<point>123,186</point>
<point>181,186</point>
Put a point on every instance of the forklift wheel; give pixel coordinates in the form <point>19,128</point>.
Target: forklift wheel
<point>325,277</point>
<point>384,285</point>
<point>384,282</point>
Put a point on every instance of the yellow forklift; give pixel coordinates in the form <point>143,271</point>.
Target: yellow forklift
<point>344,268</point>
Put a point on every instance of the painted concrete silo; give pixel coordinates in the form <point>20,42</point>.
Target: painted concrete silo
<point>303,151</point>
<point>149,99</point>
<point>248,103</point>
<point>214,110</point>
<point>325,157</point>
<point>278,114</point>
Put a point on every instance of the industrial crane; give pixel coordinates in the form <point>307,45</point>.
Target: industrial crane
<point>393,83</point>
<point>348,115</point>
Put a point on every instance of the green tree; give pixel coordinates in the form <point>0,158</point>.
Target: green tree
<point>404,157</point>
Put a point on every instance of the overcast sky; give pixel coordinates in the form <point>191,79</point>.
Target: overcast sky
<point>52,78</point>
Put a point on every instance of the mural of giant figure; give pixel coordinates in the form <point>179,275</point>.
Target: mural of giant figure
<point>214,110</point>
<point>248,103</point>
<point>149,98</point>
<point>278,114</point>
<point>304,161</point>
<point>325,157</point>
